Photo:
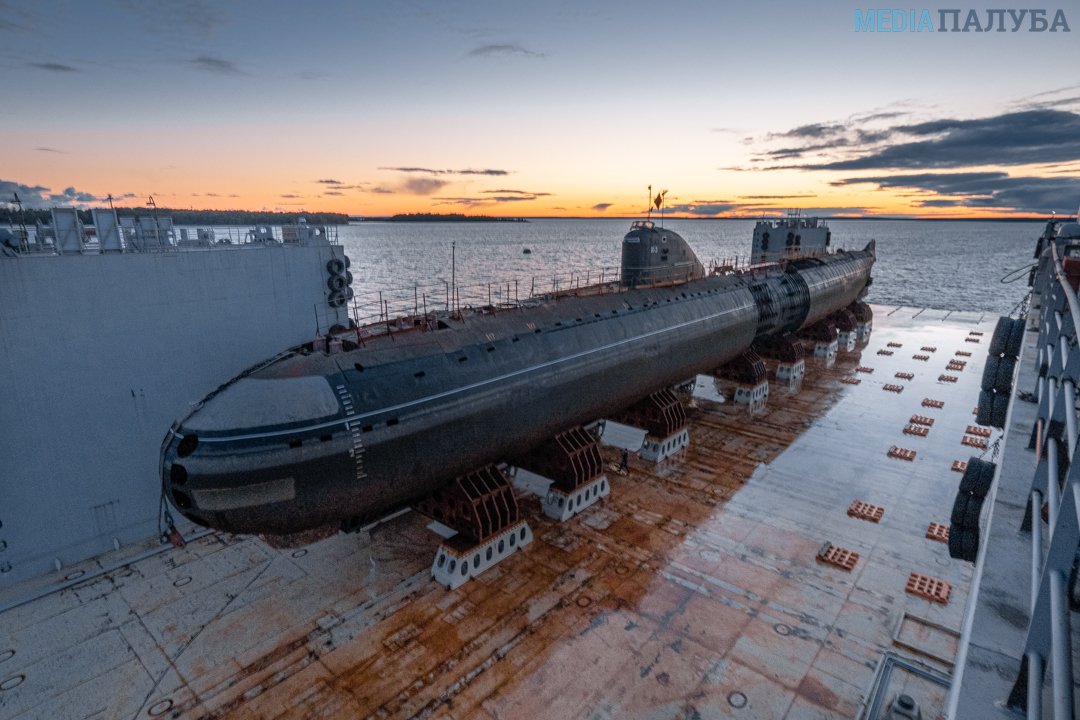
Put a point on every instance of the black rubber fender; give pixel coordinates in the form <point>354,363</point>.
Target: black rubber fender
<point>336,299</point>
<point>1000,411</point>
<point>1002,331</point>
<point>956,543</point>
<point>335,266</point>
<point>1004,379</point>
<point>986,407</point>
<point>959,512</point>
<point>977,477</point>
<point>336,282</point>
<point>1016,339</point>
<point>347,262</point>
<point>971,513</point>
<point>969,544</point>
<point>990,372</point>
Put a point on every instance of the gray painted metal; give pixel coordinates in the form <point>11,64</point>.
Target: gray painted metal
<point>98,355</point>
<point>420,408</point>
<point>107,228</point>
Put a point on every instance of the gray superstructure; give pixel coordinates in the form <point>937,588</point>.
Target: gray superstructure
<point>104,341</point>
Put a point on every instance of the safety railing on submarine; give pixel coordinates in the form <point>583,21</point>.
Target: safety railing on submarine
<point>1054,439</point>
<point>445,295</point>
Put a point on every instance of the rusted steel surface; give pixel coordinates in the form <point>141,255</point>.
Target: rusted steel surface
<point>748,368</point>
<point>479,504</point>
<point>570,459</point>
<point>694,587</point>
<point>661,414</point>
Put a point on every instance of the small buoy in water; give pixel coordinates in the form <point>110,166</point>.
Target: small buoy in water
<point>526,251</point>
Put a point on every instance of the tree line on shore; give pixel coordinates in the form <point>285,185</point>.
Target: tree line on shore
<point>187,217</point>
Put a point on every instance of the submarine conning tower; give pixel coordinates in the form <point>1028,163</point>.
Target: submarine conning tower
<point>657,255</point>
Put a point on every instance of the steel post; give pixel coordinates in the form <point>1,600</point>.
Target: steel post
<point>1052,490</point>
<point>1034,687</point>
<point>1036,546</point>
<point>1070,417</point>
<point>1060,657</point>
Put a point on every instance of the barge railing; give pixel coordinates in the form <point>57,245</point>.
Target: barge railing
<point>1054,440</point>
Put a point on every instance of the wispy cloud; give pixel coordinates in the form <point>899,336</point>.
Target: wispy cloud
<point>329,182</point>
<point>54,67</point>
<point>601,207</point>
<point>292,197</point>
<point>216,66</point>
<point>514,192</point>
<point>503,50</point>
<point>51,150</point>
<point>432,171</point>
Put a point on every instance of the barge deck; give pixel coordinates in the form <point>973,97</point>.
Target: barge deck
<point>695,590</point>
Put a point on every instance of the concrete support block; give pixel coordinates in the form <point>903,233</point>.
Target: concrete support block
<point>657,449</point>
<point>456,563</point>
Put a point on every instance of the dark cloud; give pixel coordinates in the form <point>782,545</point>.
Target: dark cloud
<point>1016,138</point>
<point>601,207</point>
<point>775,197</point>
<point>31,195</point>
<point>984,190</point>
<point>329,182</point>
<point>50,150</point>
<point>382,191</point>
<point>212,195</point>
<point>513,192</point>
<point>703,207</point>
<point>333,192</point>
<point>72,196</point>
<point>504,50</point>
<point>815,130</point>
<point>54,67</point>
<point>217,66</point>
<point>423,186</point>
<point>431,171</point>
<point>292,197</point>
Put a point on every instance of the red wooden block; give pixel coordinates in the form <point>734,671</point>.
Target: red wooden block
<point>929,588</point>
<point>866,511</point>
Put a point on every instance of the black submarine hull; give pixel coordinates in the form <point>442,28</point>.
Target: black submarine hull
<point>311,439</point>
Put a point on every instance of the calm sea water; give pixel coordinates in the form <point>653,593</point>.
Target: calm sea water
<point>945,265</point>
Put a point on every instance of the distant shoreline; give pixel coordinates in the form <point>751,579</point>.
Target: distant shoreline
<point>434,217</point>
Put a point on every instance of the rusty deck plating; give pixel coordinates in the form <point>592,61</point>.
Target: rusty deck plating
<point>694,590</point>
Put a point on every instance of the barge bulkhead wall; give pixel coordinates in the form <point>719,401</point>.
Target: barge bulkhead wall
<point>99,354</point>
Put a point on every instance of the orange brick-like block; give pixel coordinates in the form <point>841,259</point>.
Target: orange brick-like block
<point>947,378</point>
<point>920,420</point>
<point>937,532</point>
<point>959,466</point>
<point>928,349</point>
<point>956,365</point>
<point>963,353</point>
<point>921,357</point>
<point>851,381</point>
<point>864,369</point>
<point>978,430</point>
<point>917,430</point>
<point>865,511</point>
<point>929,588</point>
<point>975,332</point>
<point>971,339</point>
<point>974,442</point>
<point>884,352</point>
<point>938,404</point>
<point>894,388</point>
<point>905,376</point>
<point>893,344</point>
<point>901,453</point>
<point>838,556</point>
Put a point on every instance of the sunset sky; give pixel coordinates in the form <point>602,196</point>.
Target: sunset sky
<point>530,109</point>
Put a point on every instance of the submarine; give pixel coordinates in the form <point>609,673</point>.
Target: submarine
<point>344,430</point>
